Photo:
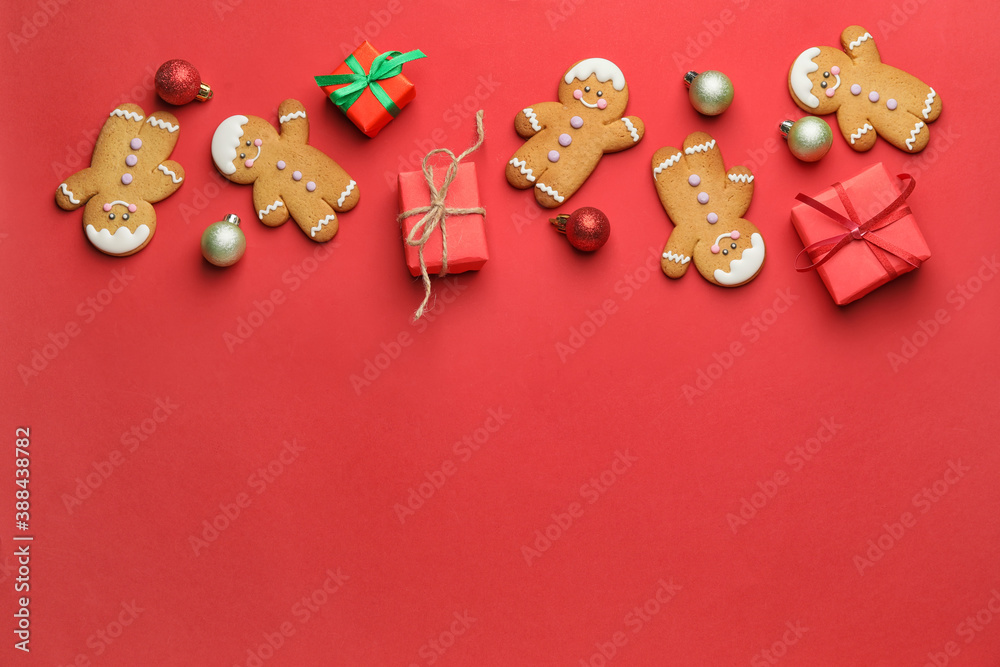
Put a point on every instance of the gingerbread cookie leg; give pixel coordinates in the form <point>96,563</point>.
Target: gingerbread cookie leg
<point>932,106</point>
<point>267,201</point>
<point>314,217</point>
<point>523,170</point>
<point>911,136</point>
<point>857,129</point>
<point>557,184</point>
<point>345,194</point>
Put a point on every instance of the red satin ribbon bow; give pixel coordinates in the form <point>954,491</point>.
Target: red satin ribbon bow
<point>860,231</point>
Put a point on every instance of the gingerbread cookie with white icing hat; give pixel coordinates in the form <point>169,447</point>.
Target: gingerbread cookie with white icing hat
<point>706,203</point>
<point>128,173</point>
<point>290,178</point>
<point>566,139</point>
<point>869,97</point>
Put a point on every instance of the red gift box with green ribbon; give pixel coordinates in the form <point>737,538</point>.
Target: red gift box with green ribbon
<point>369,86</point>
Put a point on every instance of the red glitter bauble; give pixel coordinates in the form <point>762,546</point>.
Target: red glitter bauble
<point>178,82</point>
<point>586,228</point>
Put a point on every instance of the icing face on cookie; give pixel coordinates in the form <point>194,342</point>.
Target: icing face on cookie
<point>595,84</point>
<point>239,147</point>
<point>738,258</point>
<point>816,78</point>
<point>118,227</point>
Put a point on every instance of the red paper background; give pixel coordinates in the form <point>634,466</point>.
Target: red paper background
<point>497,342</point>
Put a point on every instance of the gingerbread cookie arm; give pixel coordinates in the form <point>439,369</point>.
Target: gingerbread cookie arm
<point>531,120</point>
<point>857,129</point>
<point>859,44</point>
<point>268,203</point>
<point>623,133</point>
<point>77,190</point>
<point>163,181</point>
<point>293,121</point>
<point>739,190</point>
<point>678,252</point>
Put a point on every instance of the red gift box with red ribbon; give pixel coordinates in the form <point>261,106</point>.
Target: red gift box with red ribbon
<point>859,234</point>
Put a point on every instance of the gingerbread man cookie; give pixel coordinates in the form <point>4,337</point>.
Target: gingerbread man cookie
<point>869,97</point>
<point>290,178</point>
<point>706,204</point>
<point>566,139</point>
<point>128,173</point>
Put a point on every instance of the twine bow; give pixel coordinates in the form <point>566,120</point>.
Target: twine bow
<point>860,231</point>
<point>436,213</point>
<point>384,66</point>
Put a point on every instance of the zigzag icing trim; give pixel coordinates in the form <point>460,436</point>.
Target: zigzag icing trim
<point>346,193</point>
<point>913,134</point>
<point>322,223</point>
<point>669,162</point>
<point>700,148</point>
<point>292,116</point>
<point>162,124</point>
<point>63,189</point>
<point>631,129</point>
<point>928,102</point>
<point>533,118</point>
<point>270,207</point>
<point>549,191</point>
<point>171,174</point>
<point>745,178</point>
<point>864,38</point>
<point>677,259</point>
<point>522,165</point>
<point>129,115</point>
<point>861,130</point>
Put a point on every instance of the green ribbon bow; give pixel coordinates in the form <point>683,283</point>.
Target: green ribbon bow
<point>357,81</point>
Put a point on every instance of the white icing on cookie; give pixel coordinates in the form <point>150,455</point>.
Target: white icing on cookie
<point>270,207</point>
<point>604,69</point>
<point>171,174</point>
<point>549,191</point>
<point>913,134</point>
<point>861,131</point>
<point>66,191</point>
<point>522,165</point>
<point>162,124</point>
<point>225,141</point>
<point>129,115</point>
<point>119,243</point>
<point>700,148</point>
<point>322,223</point>
<point>292,116</point>
<point>631,129</point>
<point>669,162</point>
<point>928,102</point>
<point>677,259</point>
<point>346,193</point>
<point>737,178</point>
<point>799,78</point>
<point>860,40</point>
<point>746,267</point>
<point>533,119</point>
